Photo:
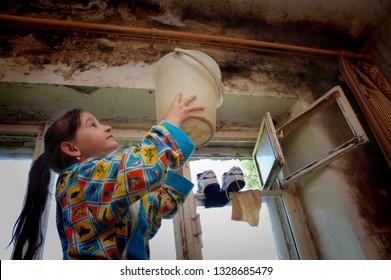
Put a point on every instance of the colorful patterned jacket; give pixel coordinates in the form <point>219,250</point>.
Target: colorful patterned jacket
<point>147,213</point>
<point>94,197</point>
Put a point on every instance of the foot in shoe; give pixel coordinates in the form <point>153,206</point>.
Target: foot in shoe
<point>207,182</point>
<point>233,180</point>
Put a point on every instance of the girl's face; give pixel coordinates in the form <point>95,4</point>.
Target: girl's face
<point>94,139</point>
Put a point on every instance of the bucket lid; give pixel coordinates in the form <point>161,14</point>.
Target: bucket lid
<point>212,67</point>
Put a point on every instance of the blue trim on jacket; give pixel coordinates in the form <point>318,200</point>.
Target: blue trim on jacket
<point>184,142</point>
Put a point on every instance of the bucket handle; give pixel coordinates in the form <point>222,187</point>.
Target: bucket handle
<point>213,73</point>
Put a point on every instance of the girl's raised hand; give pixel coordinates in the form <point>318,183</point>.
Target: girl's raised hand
<point>181,110</point>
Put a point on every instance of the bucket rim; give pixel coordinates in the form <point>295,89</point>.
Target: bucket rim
<point>220,87</point>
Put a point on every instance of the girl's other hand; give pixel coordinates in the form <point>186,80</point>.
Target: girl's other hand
<point>181,110</point>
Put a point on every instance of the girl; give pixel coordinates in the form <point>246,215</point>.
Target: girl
<point>94,191</point>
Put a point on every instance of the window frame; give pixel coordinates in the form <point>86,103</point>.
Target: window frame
<point>296,225</point>
<point>335,95</point>
<point>268,133</point>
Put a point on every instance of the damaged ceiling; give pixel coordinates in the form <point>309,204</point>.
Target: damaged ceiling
<point>270,81</point>
<point>271,21</point>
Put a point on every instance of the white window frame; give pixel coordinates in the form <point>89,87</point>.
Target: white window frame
<point>267,134</point>
<point>335,95</point>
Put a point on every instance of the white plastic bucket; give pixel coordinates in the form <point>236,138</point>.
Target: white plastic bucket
<point>192,73</point>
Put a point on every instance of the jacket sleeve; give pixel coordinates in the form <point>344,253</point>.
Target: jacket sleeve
<point>117,182</point>
<point>148,212</point>
<point>166,201</point>
<point>143,168</point>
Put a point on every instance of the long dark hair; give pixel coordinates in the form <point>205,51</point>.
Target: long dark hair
<point>27,232</point>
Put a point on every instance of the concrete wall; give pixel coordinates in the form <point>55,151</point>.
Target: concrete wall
<point>353,17</point>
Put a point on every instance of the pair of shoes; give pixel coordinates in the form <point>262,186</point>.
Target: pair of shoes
<point>232,181</point>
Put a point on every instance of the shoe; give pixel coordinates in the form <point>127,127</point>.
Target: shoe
<point>207,182</point>
<point>233,180</point>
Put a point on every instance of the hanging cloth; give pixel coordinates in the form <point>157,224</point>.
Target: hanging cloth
<point>246,206</point>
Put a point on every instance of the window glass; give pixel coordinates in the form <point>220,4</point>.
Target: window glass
<point>223,238</point>
<point>162,245</point>
<point>14,181</point>
<point>14,173</point>
<point>52,248</point>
